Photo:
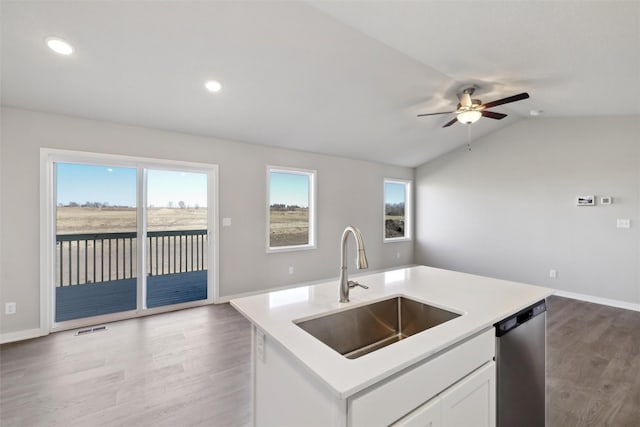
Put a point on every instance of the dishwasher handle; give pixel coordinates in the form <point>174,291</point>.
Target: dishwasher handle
<point>523,317</point>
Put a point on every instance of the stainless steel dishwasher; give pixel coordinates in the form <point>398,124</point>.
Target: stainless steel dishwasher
<point>520,367</point>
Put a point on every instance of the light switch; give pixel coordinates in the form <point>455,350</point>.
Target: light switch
<point>226,222</point>
<point>623,223</point>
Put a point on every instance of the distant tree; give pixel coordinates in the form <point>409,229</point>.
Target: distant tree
<point>73,205</point>
<point>170,204</point>
<point>394,209</point>
<point>196,206</point>
<point>181,204</point>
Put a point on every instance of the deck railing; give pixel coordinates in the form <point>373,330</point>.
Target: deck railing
<point>102,257</point>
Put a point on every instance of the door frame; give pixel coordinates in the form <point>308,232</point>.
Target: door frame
<point>48,157</point>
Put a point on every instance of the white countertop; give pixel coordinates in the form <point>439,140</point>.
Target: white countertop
<point>481,301</point>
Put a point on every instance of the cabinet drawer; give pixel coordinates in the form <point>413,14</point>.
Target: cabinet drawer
<point>427,415</point>
<point>383,404</point>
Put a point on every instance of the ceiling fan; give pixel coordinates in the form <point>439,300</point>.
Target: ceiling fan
<point>470,110</point>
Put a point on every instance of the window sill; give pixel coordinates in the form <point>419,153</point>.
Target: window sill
<point>397,239</point>
<point>279,249</point>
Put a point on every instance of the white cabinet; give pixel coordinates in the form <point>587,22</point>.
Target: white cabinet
<point>469,402</point>
<point>397,396</point>
<point>457,384</point>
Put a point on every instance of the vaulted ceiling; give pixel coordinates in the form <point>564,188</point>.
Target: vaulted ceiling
<point>342,78</point>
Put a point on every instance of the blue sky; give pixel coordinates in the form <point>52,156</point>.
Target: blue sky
<point>117,186</point>
<point>172,186</point>
<point>89,183</point>
<point>393,192</point>
<point>289,189</point>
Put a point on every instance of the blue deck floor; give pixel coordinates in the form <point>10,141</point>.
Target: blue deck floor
<point>78,301</point>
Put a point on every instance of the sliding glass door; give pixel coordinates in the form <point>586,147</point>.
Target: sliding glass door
<point>177,237</point>
<point>129,239</point>
<point>96,240</point>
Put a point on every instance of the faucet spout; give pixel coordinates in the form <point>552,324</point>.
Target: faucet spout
<point>361,259</point>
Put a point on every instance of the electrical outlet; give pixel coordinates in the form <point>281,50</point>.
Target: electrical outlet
<point>553,273</point>
<point>623,223</point>
<point>397,255</point>
<point>291,270</point>
<point>10,308</point>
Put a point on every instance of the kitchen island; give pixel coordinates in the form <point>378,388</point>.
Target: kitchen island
<point>300,381</point>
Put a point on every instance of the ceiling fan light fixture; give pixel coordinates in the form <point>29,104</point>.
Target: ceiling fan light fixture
<point>468,117</point>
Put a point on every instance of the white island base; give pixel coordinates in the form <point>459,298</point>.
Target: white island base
<point>455,388</point>
<point>443,376</point>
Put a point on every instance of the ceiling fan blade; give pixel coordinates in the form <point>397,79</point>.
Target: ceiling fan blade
<point>434,114</point>
<point>514,98</point>
<point>493,115</point>
<point>450,123</point>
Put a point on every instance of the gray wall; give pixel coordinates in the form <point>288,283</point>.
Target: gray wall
<point>350,192</point>
<point>507,209</point>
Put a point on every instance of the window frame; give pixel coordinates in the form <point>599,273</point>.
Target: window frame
<point>408,210</point>
<point>313,227</point>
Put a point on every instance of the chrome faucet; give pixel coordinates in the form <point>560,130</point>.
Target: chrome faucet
<point>361,262</point>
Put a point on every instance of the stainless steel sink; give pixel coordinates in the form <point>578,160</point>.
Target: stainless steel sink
<point>361,330</point>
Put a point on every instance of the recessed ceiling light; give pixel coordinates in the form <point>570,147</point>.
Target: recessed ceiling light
<point>59,46</point>
<point>213,86</point>
<point>535,112</point>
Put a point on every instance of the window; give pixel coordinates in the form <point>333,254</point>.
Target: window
<point>290,209</point>
<point>397,210</point>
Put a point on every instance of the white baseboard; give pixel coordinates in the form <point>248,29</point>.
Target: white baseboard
<point>599,300</point>
<point>22,335</point>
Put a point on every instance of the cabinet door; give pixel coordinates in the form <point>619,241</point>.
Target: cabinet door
<point>472,400</point>
<point>427,415</point>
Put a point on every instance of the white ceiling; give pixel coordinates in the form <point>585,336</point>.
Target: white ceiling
<point>343,78</point>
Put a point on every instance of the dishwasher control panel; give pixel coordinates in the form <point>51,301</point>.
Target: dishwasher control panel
<point>519,318</point>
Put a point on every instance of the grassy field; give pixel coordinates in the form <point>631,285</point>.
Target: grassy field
<point>289,227</point>
<point>394,226</point>
<point>113,220</point>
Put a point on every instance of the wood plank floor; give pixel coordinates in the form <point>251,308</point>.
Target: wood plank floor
<point>191,367</point>
<point>593,365</point>
<point>188,367</point>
